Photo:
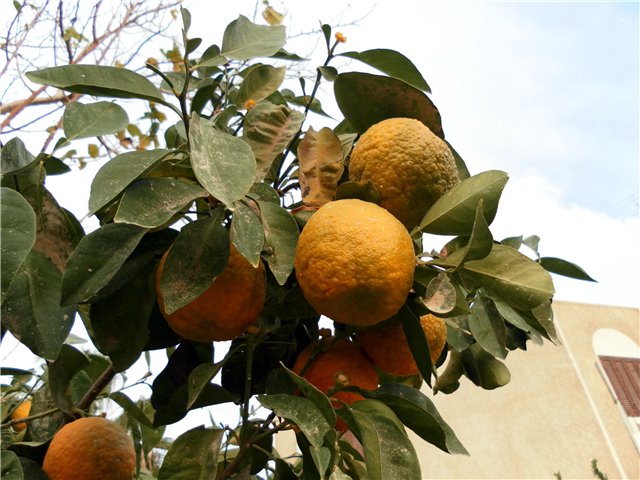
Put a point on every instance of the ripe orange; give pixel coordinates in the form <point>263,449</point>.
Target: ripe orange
<point>22,411</point>
<point>88,449</point>
<point>388,349</point>
<point>410,166</point>
<point>226,309</point>
<point>354,262</point>
<point>337,363</point>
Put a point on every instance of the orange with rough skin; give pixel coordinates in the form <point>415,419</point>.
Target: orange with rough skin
<point>88,449</point>
<point>387,346</point>
<point>226,309</point>
<point>340,363</point>
<point>410,166</point>
<point>22,411</point>
<point>354,262</point>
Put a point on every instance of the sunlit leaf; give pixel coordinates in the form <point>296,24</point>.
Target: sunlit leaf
<point>321,165</point>
<point>281,237</point>
<point>565,268</point>
<point>268,129</point>
<point>193,455</point>
<point>487,327</point>
<point>247,233</point>
<point>224,164</point>
<point>260,82</point>
<point>243,39</point>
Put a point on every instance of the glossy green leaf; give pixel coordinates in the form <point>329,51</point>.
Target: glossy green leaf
<point>120,320</point>
<point>511,315</point>
<point>417,342</point>
<point>31,309</point>
<point>417,412</point>
<point>260,82</point>
<point>15,157</point>
<point>455,212</point>
<point>302,411</point>
<point>487,327</point>
<point>10,468</point>
<point>17,234</point>
<point>463,171</point>
<point>93,119</point>
<point>268,129</point>
<point>512,276</point>
<point>281,237</point>
<point>315,395</point>
<point>99,81</point>
<point>243,39</point>
<point>544,314</point>
<point>366,99</point>
<point>222,163</point>
<point>152,202</point>
<point>247,233</point>
<point>565,268</point>
<point>193,455</point>
<point>97,259</point>
<point>200,378</point>
<point>211,57</point>
<point>198,255</point>
<point>118,173</point>
<point>388,452</point>
<point>393,64</point>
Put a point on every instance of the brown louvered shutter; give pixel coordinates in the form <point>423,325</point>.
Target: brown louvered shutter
<point>624,377</point>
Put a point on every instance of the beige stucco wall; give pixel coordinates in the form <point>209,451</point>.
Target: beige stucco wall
<point>541,422</point>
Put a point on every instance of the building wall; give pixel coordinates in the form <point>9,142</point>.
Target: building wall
<point>546,419</point>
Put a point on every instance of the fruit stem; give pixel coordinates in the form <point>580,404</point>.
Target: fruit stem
<point>248,379</point>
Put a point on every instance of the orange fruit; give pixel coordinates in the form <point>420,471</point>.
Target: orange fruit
<point>410,166</point>
<point>340,363</point>
<point>226,309</point>
<point>22,411</point>
<point>354,262</point>
<point>88,449</point>
<point>387,347</point>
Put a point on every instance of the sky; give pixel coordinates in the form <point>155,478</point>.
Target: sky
<point>547,91</point>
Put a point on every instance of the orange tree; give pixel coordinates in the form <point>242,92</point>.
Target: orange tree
<point>239,175</point>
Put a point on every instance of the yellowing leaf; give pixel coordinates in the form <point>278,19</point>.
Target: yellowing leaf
<point>272,17</point>
<point>321,166</point>
<point>93,150</point>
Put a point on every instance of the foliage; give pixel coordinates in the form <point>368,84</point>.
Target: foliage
<point>235,154</point>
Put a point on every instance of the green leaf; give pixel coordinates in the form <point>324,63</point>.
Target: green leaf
<point>366,99</point>
<point>449,380</point>
<point>193,455</point>
<point>120,320</point>
<point>393,64</point>
<point>417,342</point>
<point>31,309</point>
<point>247,233</point>
<point>315,395</point>
<point>417,412</point>
<point>260,82</point>
<point>463,171</point>
<point>114,176</point>
<point>99,81</point>
<point>15,157</point>
<point>200,378</point>
<point>211,58</point>
<point>93,120</point>
<point>10,468</point>
<point>565,268</point>
<point>60,373</point>
<point>17,234</point>
<point>97,259</point>
<point>243,39</point>
<point>388,452</point>
<point>483,369</point>
<point>131,408</point>
<point>268,129</point>
<point>487,327</point>
<point>301,411</point>
<point>512,276</point>
<point>281,237</point>
<point>222,163</point>
<point>455,212</point>
<point>152,202</point>
<point>198,255</point>
<point>512,316</point>
<point>364,191</point>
